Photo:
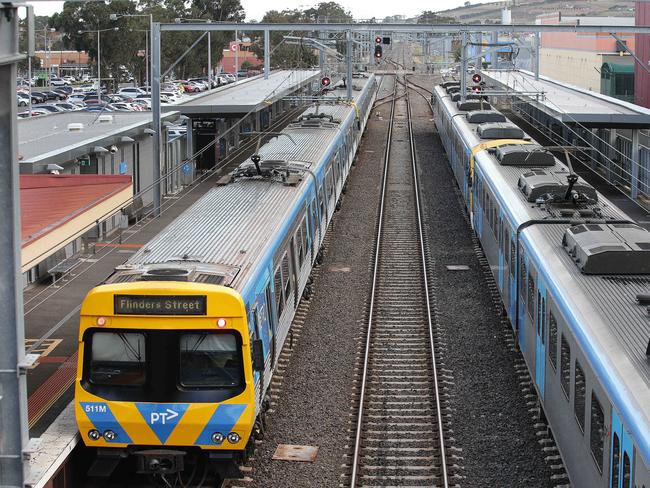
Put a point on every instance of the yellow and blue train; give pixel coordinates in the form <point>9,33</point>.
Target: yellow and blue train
<point>178,348</point>
<point>573,272</point>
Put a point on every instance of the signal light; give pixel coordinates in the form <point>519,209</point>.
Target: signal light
<point>476,78</point>
<point>377,40</point>
<point>477,89</point>
<point>325,81</point>
<point>378,52</point>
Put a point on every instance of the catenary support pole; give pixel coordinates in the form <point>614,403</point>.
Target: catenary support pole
<point>463,67</point>
<point>635,162</point>
<point>267,53</point>
<point>155,109</point>
<point>13,391</point>
<point>536,54</point>
<point>348,76</point>
<point>209,61</point>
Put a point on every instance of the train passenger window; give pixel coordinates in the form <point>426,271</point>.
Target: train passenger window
<point>531,293</point>
<point>522,276</point>
<point>300,245</point>
<point>597,432</point>
<point>117,359</point>
<point>287,278</point>
<point>552,339</point>
<point>616,459</point>
<point>210,360</point>
<point>627,470</point>
<point>580,392</point>
<point>321,201</point>
<point>279,300</point>
<point>565,365</point>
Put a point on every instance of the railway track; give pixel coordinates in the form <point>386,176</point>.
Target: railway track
<point>400,419</point>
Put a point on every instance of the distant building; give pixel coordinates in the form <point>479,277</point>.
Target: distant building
<point>232,61</point>
<point>595,61</point>
<point>642,42</point>
<point>64,62</point>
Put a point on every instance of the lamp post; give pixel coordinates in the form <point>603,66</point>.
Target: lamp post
<point>146,44</point>
<point>99,58</point>
<point>47,29</point>
<point>178,20</point>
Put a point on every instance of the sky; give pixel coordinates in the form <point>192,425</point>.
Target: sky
<point>361,9</point>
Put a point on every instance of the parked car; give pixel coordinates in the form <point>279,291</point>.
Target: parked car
<point>97,108</point>
<point>92,98</point>
<point>76,98</point>
<point>51,108</point>
<point>230,77</point>
<point>52,95</point>
<point>202,84</point>
<point>67,90</point>
<point>40,97</point>
<point>131,91</point>
<point>70,107</point>
<point>35,113</point>
<point>172,96</point>
<point>142,102</point>
<point>55,81</point>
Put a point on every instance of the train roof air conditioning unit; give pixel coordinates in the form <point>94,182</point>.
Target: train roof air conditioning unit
<point>499,130</point>
<point>609,248</point>
<point>483,116</point>
<point>166,274</point>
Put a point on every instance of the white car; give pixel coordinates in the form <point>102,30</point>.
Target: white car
<point>172,96</point>
<point>58,82</point>
<point>131,91</point>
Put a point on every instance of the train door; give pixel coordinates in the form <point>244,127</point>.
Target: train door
<point>540,340</point>
<point>622,455</point>
<point>500,240</point>
<point>477,205</point>
<point>513,282</point>
<point>263,320</point>
<point>523,283</point>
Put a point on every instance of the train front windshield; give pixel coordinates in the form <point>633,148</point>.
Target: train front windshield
<point>209,360</point>
<point>126,364</point>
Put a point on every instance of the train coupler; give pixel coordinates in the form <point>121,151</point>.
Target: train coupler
<point>160,461</point>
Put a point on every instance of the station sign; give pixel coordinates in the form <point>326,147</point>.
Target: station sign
<point>160,305</point>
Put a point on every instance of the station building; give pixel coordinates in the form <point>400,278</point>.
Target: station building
<point>593,61</point>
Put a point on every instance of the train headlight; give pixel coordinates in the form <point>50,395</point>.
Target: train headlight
<point>233,437</point>
<point>94,435</point>
<point>221,323</point>
<point>217,437</point>
<point>109,435</point>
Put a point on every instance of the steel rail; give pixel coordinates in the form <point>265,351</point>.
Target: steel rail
<point>357,440</point>
<point>416,190</point>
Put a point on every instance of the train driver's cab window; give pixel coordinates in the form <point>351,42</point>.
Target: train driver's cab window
<point>210,360</point>
<point>117,359</point>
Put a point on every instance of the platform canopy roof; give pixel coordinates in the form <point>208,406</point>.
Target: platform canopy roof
<point>570,104</point>
<point>251,94</point>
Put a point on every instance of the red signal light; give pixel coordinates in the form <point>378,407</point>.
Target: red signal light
<point>378,52</point>
<point>325,81</point>
<point>377,40</point>
<point>476,78</point>
<point>477,89</point>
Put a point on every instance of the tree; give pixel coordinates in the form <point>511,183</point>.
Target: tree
<point>300,55</point>
<point>122,49</point>
<point>286,55</point>
<point>429,17</point>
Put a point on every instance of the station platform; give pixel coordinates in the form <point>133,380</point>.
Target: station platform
<point>250,94</point>
<point>222,119</point>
